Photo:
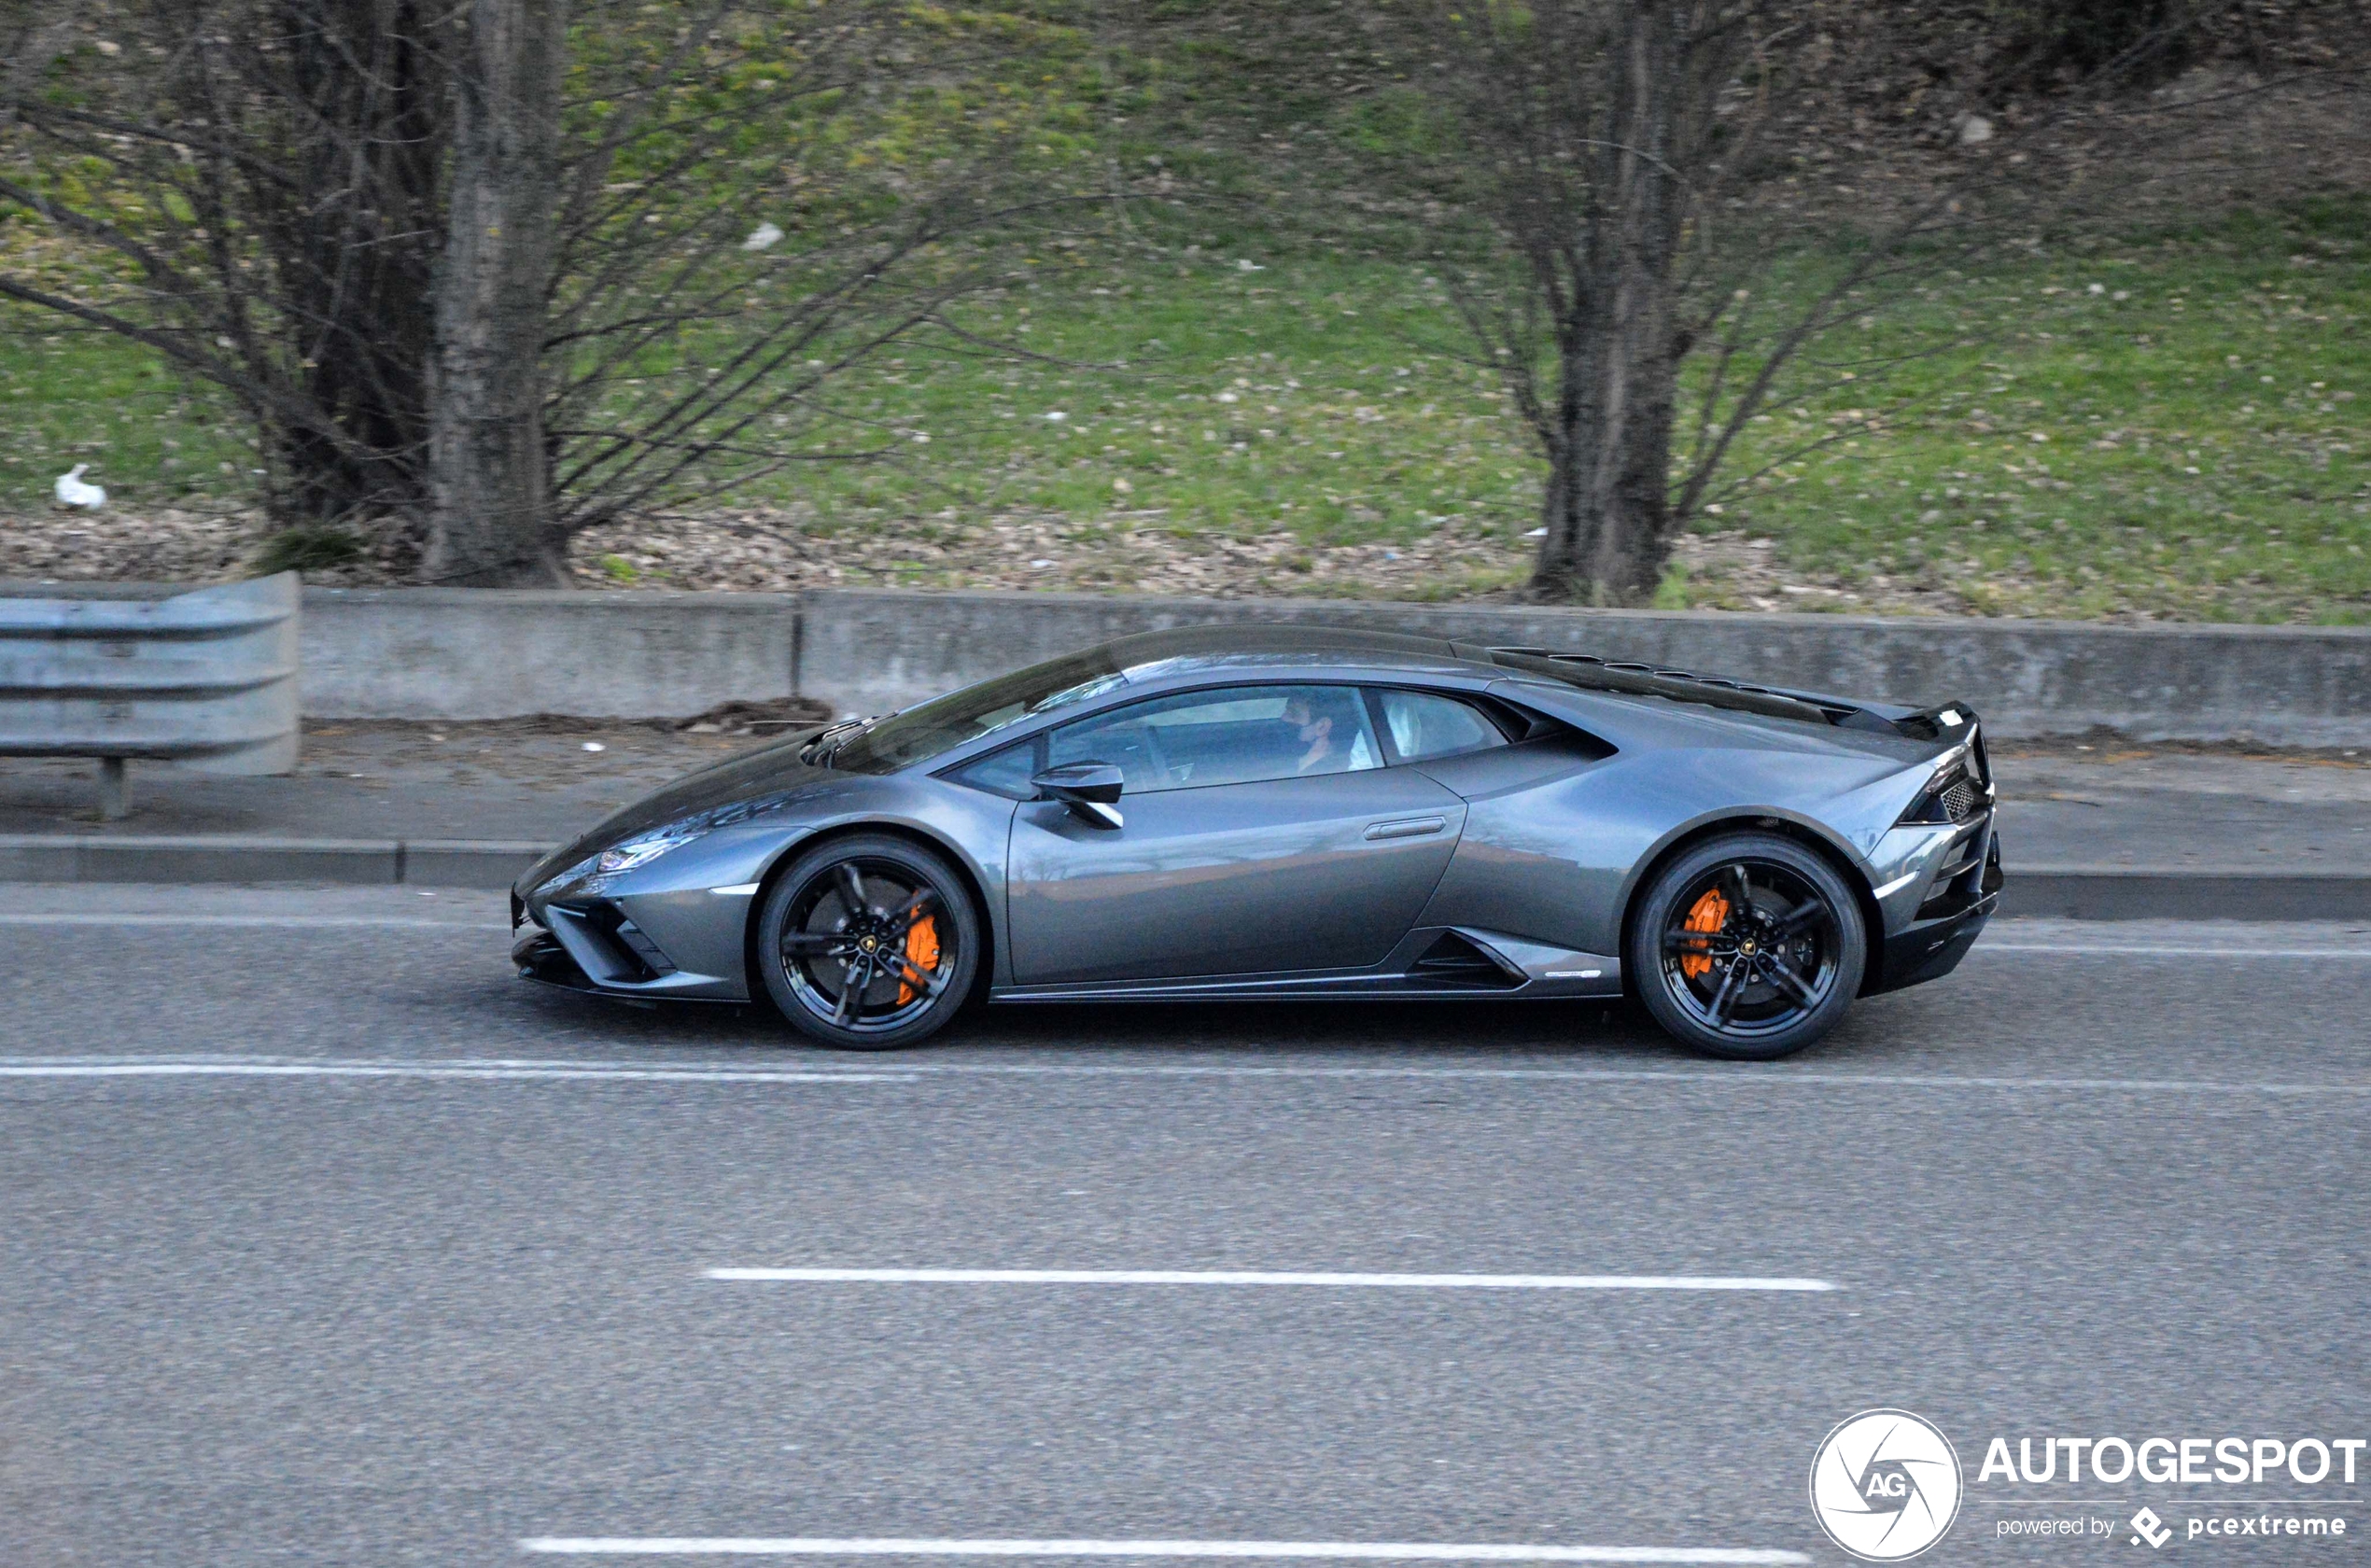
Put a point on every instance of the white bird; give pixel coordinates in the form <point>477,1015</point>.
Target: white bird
<point>765,236</point>
<point>70,491</point>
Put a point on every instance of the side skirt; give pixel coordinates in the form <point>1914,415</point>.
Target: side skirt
<point>1431,963</point>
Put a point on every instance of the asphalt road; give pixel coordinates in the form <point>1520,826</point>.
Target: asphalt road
<point>384,1256</point>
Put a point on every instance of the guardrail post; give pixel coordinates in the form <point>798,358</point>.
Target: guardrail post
<point>114,789</point>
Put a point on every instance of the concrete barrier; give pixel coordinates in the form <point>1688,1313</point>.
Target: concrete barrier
<point>480,653</point>
<point>464,654</point>
<point>870,649</point>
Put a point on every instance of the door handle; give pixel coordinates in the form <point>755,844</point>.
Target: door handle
<point>1407,827</point>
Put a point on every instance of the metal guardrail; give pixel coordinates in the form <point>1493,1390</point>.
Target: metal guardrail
<point>206,679</point>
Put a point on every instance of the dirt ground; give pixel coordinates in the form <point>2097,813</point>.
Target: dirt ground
<point>767,551</point>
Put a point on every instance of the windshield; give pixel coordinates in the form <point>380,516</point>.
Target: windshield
<point>924,731</point>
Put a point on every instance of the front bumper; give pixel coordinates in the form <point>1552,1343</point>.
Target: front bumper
<point>541,958</point>
<point>1946,926</point>
<point>584,943</point>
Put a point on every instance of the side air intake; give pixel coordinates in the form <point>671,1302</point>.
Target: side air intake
<point>1453,960</point>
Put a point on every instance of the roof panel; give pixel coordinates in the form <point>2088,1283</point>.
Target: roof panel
<point>1270,645</point>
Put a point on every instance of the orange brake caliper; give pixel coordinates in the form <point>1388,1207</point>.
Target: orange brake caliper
<point>1711,913</point>
<point>921,950</point>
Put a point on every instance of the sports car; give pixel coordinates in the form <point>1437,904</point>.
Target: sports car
<point>1247,813</point>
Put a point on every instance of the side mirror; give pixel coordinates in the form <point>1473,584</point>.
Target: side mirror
<point>1090,789</point>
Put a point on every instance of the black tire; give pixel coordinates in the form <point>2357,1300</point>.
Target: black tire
<point>815,935</point>
<point>1752,977</point>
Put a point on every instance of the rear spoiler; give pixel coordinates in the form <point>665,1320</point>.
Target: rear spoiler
<point>1598,673</point>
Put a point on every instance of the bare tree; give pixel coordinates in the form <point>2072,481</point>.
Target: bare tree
<point>484,272</point>
<point>1612,153</point>
<point>1658,70</point>
<point>1595,134</point>
<point>257,195</point>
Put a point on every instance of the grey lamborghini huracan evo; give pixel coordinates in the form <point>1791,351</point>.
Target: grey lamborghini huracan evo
<point>1246,812</point>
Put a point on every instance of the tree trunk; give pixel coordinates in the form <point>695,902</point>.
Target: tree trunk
<point>490,478</point>
<point>356,253</point>
<point>1608,508</point>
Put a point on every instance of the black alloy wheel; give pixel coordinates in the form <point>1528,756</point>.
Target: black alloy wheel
<point>1748,946</point>
<point>868,942</point>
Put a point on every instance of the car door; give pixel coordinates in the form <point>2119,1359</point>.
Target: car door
<point>1261,835</point>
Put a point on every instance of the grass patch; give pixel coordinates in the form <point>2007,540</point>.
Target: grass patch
<point>2174,427</point>
<point>1199,397</point>
<point>306,549</point>
<point>73,394</point>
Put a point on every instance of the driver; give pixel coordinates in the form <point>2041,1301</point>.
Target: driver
<point>1322,749</point>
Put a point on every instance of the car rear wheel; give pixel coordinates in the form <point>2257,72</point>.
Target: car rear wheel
<point>868,942</point>
<point>1748,946</point>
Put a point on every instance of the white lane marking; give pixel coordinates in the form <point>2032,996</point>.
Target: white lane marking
<point>1361,1551</point>
<point>462,1072</point>
<point>1769,1077</point>
<point>2169,950</point>
<point>1263,1276</point>
<point>1757,1078</point>
<point>275,922</point>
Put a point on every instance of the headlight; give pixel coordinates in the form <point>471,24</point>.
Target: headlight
<point>642,850</point>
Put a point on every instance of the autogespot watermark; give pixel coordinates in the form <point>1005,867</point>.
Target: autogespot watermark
<point>2255,1462</point>
<point>1885,1485</point>
<point>2177,1460</point>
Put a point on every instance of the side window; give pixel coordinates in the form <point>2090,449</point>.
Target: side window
<point>1005,773</point>
<point>1236,736</point>
<point>1425,724</point>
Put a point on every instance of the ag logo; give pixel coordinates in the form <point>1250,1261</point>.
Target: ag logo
<point>1884,1485</point>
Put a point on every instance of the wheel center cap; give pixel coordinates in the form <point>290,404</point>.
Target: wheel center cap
<point>869,944</point>
<point>1746,946</point>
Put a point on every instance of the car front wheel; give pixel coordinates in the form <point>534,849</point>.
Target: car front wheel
<point>868,942</point>
<point>1748,946</point>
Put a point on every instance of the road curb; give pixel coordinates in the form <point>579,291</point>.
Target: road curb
<point>2186,893</point>
<point>2064,892</point>
<point>348,862</point>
